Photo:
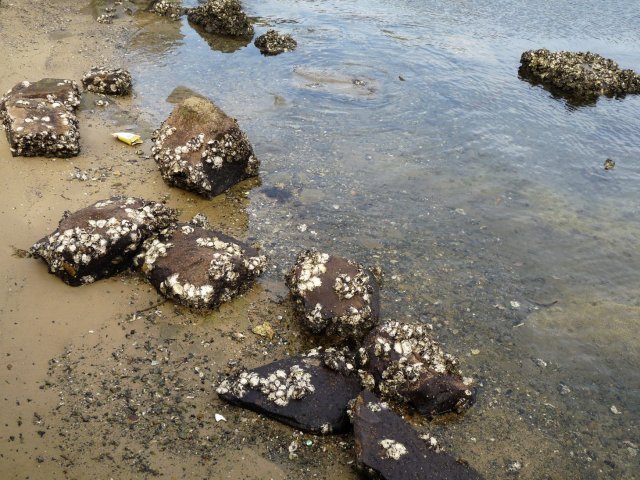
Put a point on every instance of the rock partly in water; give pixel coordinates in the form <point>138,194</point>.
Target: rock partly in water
<point>298,391</point>
<point>102,239</point>
<point>166,8</point>
<point>201,149</point>
<point>402,362</point>
<point>334,295</point>
<point>108,81</point>
<point>39,118</point>
<point>388,448</point>
<point>222,17</point>
<point>199,267</point>
<point>579,75</point>
<point>274,43</point>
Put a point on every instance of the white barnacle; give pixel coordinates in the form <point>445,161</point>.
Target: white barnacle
<point>392,449</point>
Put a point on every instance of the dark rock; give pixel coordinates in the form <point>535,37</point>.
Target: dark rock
<point>402,362</point>
<point>199,267</point>
<point>222,17</point>
<point>101,240</point>
<point>579,75</point>
<point>298,391</point>
<point>166,8</point>
<point>334,295</point>
<point>200,148</point>
<point>389,448</point>
<point>39,118</point>
<point>273,43</point>
<point>108,81</point>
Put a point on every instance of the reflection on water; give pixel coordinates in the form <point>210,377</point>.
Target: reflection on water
<point>399,133</point>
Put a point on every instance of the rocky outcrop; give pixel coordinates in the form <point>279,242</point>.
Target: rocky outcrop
<point>300,391</point>
<point>580,75</point>
<point>102,239</point>
<point>402,362</point>
<point>196,266</point>
<point>201,149</point>
<point>333,295</point>
<point>274,43</point>
<point>222,17</point>
<point>388,448</point>
<point>108,81</point>
<point>39,118</point>
<point>167,8</point>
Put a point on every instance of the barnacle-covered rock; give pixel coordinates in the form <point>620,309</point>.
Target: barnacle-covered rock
<point>222,17</point>
<point>334,295</point>
<point>388,448</point>
<point>167,8</point>
<point>405,364</point>
<point>298,391</point>
<point>108,81</point>
<point>578,75</point>
<point>199,267</point>
<point>39,118</point>
<point>273,43</point>
<point>200,148</point>
<point>102,239</point>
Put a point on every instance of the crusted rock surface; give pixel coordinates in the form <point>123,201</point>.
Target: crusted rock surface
<point>273,43</point>
<point>401,361</point>
<point>102,239</point>
<point>199,267</point>
<point>222,17</point>
<point>39,118</point>
<point>108,81</point>
<point>298,391</point>
<point>200,148</point>
<point>583,75</point>
<point>334,295</point>
<point>169,9</point>
<point>387,447</point>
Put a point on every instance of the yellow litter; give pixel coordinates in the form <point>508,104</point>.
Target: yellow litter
<point>128,138</point>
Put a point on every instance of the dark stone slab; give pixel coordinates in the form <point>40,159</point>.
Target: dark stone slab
<point>388,448</point>
<point>405,364</point>
<point>201,149</point>
<point>298,391</point>
<point>334,295</point>
<point>222,17</point>
<point>108,81</point>
<point>199,267</point>
<point>102,239</point>
<point>578,75</point>
<point>274,43</point>
<point>39,118</point>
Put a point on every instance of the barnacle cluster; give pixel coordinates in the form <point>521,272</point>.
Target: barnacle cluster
<point>274,43</point>
<point>312,265</point>
<point>108,81</point>
<point>217,268</point>
<point>99,240</point>
<point>347,286</point>
<point>280,387</point>
<point>222,17</point>
<point>166,8</point>
<point>206,163</point>
<point>392,449</point>
<point>581,74</point>
<point>39,118</point>
<point>106,18</point>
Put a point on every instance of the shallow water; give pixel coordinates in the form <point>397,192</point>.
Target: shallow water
<point>399,133</point>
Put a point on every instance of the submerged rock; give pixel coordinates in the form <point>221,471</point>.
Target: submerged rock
<point>108,81</point>
<point>39,118</point>
<point>166,8</point>
<point>222,17</point>
<point>334,295</point>
<point>199,267</point>
<point>388,448</point>
<point>402,362</point>
<point>200,148</point>
<point>102,239</point>
<point>273,43</point>
<point>578,74</point>
<point>298,391</point>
